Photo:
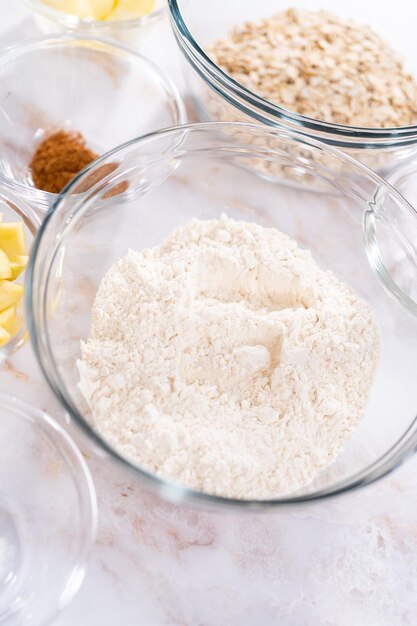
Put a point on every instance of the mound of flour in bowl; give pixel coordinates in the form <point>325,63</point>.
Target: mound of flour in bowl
<point>225,359</point>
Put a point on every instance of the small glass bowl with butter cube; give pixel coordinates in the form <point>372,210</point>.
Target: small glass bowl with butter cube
<point>18,227</point>
<point>121,20</point>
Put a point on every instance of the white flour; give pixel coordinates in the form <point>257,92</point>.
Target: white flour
<point>226,360</point>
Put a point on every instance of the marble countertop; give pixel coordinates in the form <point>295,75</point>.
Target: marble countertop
<point>351,561</point>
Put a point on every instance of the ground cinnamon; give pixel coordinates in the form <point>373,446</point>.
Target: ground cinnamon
<point>58,158</point>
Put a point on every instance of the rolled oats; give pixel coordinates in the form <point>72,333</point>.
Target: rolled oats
<point>318,65</point>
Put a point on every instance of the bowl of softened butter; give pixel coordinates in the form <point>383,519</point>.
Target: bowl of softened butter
<point>223,338</point>
<point>18,227</point>
<point>123,20</point>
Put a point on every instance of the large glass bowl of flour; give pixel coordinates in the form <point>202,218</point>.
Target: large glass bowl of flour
<point>355,224</point>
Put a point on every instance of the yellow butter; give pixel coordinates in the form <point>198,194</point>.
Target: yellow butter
<point>13,260</point>
<point>5,270</point>
<point>8,319</point>
<point>4,336</point>
<point>12,238</point>
<point>94,9</point>
<point>128,9</point>
<point>18,263</point>
<point>10,294</point>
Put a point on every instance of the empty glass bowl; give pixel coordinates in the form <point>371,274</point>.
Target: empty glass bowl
<point>14,209</point>
<point>47,515</point>
<point>217,97</point>
<point>357,226</point>
<point>107,93</point>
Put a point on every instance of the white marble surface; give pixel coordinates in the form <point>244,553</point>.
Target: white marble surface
<point>349,562</point>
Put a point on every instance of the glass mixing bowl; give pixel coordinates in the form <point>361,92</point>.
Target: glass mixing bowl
<point>129,31</point>
<point>106,92</point>
<point>14,209</point>
<point>358,226</point>
<point>47,515</point>
<point>216,97</point>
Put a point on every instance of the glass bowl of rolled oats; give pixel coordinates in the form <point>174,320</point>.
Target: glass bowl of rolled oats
<point>344,74</point>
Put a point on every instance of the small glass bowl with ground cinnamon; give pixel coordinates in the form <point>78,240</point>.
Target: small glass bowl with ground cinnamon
<point>65,100</point>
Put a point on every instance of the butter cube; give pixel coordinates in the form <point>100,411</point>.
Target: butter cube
<point>18,263</point>
<point>10,294</point>
<point>9,320</point>
<point>12,238</point>
<point>5,269</point>
<point>4,336</point>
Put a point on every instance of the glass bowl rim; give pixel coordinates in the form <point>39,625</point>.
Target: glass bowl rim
<point>73,22</point>
<point>395,456</point>
<point>61,440</point>
<point>232,90</point>
<point>9,53</point>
